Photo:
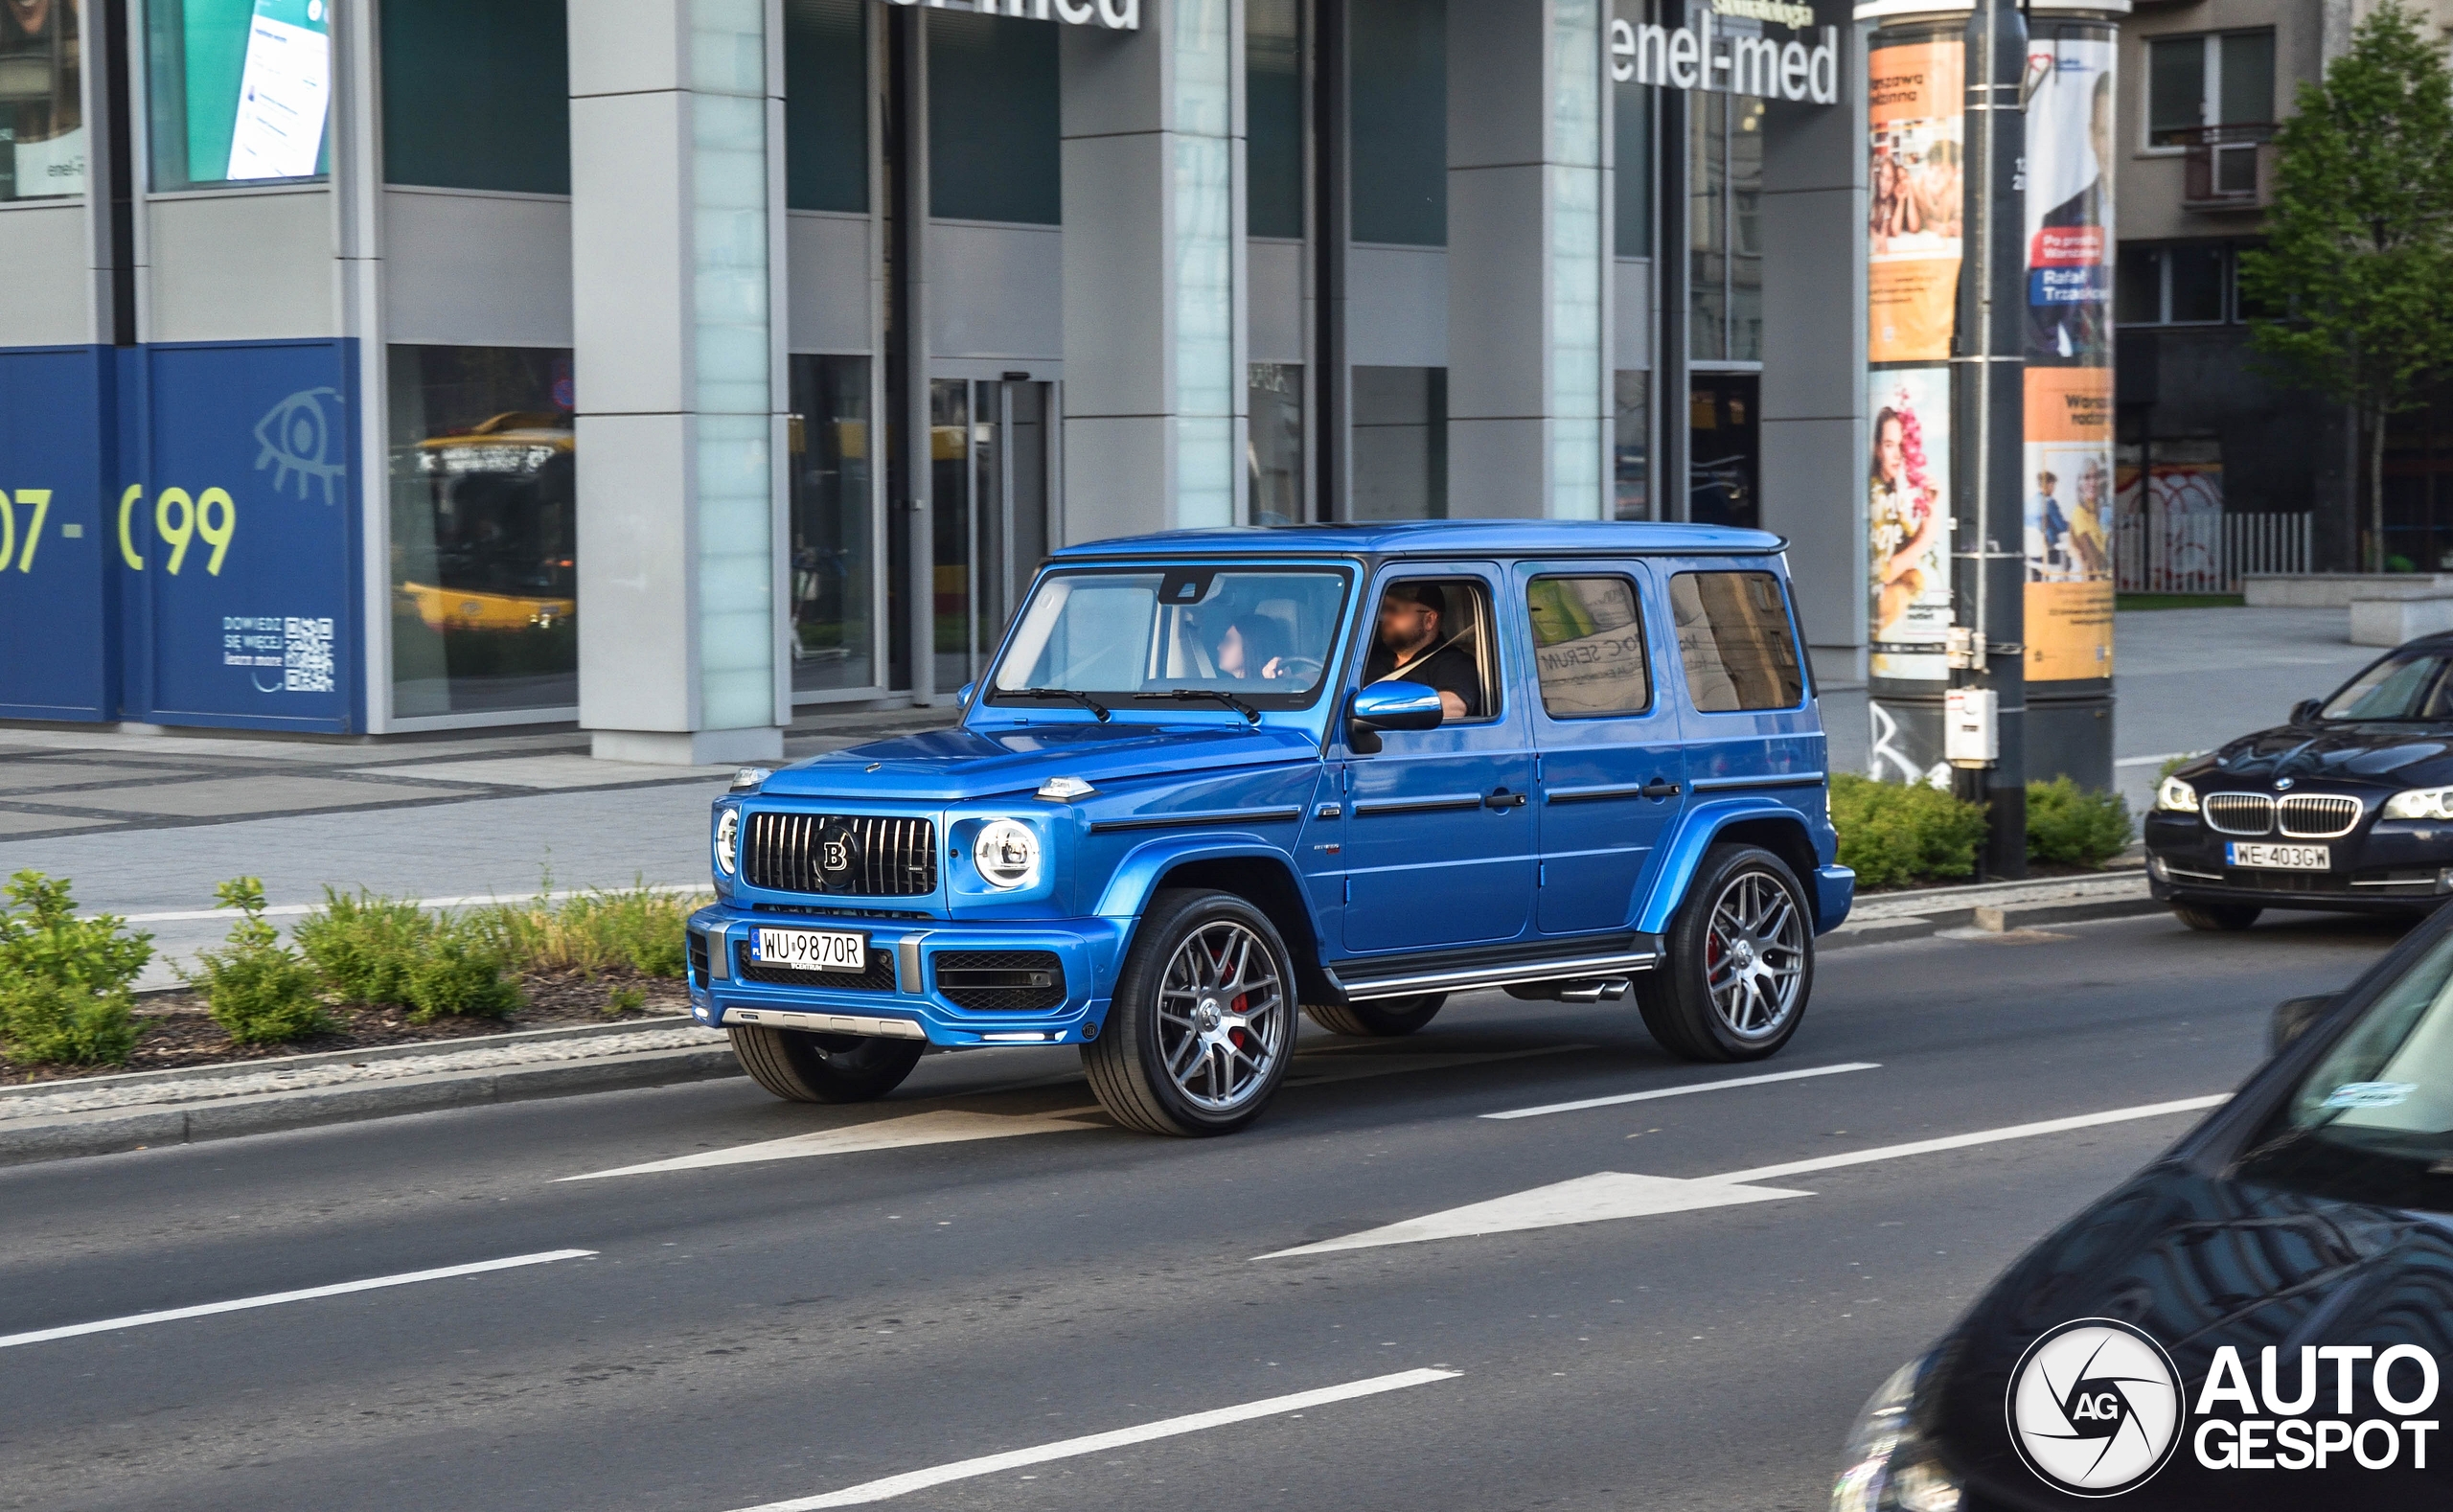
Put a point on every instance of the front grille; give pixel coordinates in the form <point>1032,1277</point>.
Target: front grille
<point>878,978</point>
<point>2238,812</point>
<point>697,958</point>
<point>876,857</point>
<point>1001,981</point>
<point>2318,815</point>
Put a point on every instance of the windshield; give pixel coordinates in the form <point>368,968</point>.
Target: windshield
<point>2373,1121</point>
<point>1261,636</point>
<point>2411,687</point>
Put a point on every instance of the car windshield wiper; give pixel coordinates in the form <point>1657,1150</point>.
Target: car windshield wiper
<point>1083,698</point>
<point>1178,695</point>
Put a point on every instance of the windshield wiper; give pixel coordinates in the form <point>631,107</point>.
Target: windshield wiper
<point>1083,698</point>
<point>1178,695</point>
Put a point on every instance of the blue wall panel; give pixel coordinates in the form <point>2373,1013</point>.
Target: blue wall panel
<point>56,658</point>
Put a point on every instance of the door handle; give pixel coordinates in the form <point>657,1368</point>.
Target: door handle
<point>1501,798</point>
<point>1660,788</point>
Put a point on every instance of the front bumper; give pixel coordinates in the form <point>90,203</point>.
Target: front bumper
<point>902,996</point>
<point>2381,867</point>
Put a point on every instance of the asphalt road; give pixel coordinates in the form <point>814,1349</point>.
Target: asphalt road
<point>755,1331</point>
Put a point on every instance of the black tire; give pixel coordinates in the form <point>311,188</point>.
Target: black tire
<point>1773,956</point>
<point>2218,918</point>
<point>1378,1020</point>
<point>804,1068</point>
<point>1192,948</point>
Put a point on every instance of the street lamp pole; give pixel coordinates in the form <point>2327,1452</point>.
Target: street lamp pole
<point>1987,724</point>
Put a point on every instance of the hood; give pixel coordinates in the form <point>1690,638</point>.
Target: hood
<point>954,764</point>
<point>2199,1262</point>
<point>2394,755</point>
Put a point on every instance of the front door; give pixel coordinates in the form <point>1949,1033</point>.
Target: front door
<point>1614,773</point>
<point>989,489</point>
<point>1439,826</point>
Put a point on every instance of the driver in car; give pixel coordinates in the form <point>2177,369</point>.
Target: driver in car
<point>1412,647</point>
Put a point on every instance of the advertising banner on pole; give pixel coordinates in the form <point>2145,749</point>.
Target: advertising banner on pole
<point>2068,413</point>
<point>1915,102</point>
<point>52,474</point>
<point>1908,520</point>
<point>237,531</point>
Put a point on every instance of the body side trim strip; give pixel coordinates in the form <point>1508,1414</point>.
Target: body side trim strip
<point>1471,800</point>
<point>1180,821</point>
<point>1793,779</point>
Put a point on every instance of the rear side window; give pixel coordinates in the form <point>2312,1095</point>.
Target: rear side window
<point>1734,637</point>
<point>1587,647</point>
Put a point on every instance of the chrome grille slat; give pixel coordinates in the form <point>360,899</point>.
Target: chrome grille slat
<point>2238,812</point>
<point>2318,815</point>
<point>897,857</point>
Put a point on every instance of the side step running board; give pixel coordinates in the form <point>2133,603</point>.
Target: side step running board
<point>1503,976</point>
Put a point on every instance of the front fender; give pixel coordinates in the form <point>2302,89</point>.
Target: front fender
<point>1683,855</point>
<point>1135,877</point>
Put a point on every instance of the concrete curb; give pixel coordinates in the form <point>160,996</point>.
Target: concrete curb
<point>1889,917</point>
<point>144,1126</point>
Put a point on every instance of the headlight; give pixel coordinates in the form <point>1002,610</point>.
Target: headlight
<point>1888,1466</point>
<point>729,840</point>
<point>2176,796</point>
<point>1006,854</point>
<point>2420,803</point>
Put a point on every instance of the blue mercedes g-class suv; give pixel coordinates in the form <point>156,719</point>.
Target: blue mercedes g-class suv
<point>1215,776</point>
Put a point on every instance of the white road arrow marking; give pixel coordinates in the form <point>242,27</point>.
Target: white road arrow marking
<point>1615,1194</point>
<point>943,1126</point>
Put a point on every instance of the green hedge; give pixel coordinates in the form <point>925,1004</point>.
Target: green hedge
<point>1893,834</point>
<point>2073,827</point>
<point>64,981</point>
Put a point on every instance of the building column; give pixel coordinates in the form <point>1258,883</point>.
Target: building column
<point>676,230</point>
<point>1528,399</point>
<point>1813,437</point>
<point>1155,404</point>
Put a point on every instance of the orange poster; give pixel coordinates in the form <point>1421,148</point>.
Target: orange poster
<point>1917,98</point>
<point>2068,509</point>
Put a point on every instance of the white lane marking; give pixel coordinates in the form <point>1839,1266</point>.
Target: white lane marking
<point>1680,1091</point>
<point>2154,761</point>
<point>1614,1193</point>
<point>943,1126</point>
<point>1893,1152</point>
<point>1094,1443</point>
<point>275,1298</point>
<point>1591,1198</point>
<point>285,911</point>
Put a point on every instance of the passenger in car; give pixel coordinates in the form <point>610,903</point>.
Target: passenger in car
<point>1412,647</point>
<point>1254,646</point>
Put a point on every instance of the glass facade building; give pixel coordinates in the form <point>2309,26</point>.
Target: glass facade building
<point>780,348</point>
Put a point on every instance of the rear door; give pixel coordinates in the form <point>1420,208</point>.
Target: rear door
<point>1439,823</point>
<point>1613,772</point>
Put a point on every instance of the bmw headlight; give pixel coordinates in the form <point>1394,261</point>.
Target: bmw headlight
<point>1006,854</point>
<point>2420,803</point>
<point>2176,796</point>
<point>1888,1466</point>
<point>729,840</point>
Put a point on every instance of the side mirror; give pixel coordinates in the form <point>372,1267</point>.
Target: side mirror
<point>2306,710</point>
<point>962,694</point>
<point>1390,706</point>
<point>2292,1017</point>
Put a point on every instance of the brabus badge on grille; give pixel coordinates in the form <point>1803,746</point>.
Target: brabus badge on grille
<point>839,851</point>
<point>2283,784</point>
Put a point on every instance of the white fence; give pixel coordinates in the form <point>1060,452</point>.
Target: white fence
<point>2168,550</point>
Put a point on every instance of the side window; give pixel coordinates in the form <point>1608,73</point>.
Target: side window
<point>1587,647</point>
<point>1437,631</point>
<point>1734,637</point>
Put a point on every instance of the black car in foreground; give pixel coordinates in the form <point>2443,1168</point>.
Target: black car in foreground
<point>2348,806</point>
<point>2260,1318</point>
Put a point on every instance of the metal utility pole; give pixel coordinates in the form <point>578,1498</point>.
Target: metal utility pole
<point>1986,726</point>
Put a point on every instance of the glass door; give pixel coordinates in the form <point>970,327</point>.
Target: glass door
<point>834,505</point>
<point>988,490</point>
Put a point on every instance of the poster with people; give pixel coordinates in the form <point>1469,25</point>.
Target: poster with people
<point>1908,521</point>
<point>1917,109</point>
<point>2068,479</point>
<point>2068,523</point>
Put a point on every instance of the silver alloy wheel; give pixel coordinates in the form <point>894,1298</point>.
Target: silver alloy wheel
<point>1755,956</point>
<point>1224,1016</point>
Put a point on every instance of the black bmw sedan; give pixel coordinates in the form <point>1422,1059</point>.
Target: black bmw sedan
<point>2348,806</point>
<point>2260,1318</point>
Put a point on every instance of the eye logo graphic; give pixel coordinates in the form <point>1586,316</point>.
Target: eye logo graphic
<point>2094,1408</point>
<point>301,435</point>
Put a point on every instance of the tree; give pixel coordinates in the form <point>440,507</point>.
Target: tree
<point>2358,261</point>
